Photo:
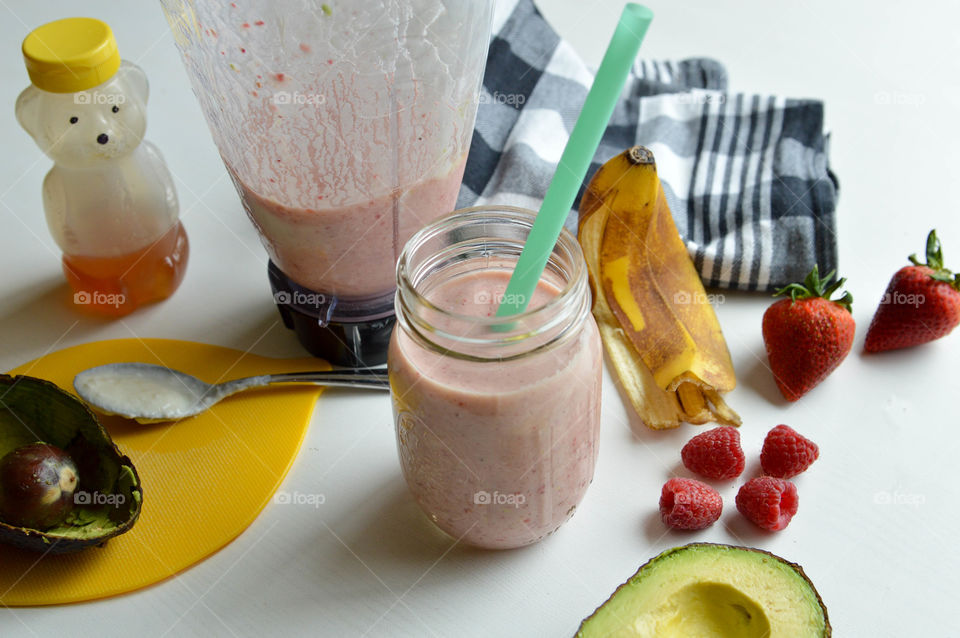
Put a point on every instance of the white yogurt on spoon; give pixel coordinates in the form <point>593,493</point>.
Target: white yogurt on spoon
<point>150,393</point>
<point>142,390</point>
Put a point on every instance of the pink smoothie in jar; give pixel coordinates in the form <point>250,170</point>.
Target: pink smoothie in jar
<point>496,428</point>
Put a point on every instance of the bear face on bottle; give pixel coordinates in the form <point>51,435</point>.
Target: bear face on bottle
<point>75,129</point>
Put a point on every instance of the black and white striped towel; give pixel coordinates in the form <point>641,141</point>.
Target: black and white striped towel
<point>746,176</point>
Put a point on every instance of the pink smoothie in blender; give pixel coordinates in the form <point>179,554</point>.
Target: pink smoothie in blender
<point>345,129</point>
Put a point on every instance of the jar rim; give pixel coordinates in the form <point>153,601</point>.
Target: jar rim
<point>524,216</point>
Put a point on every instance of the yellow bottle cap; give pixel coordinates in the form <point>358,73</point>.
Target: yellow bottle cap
<point>72,54</point>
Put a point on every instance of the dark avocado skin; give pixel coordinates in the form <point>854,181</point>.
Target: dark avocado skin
<point>828,630</point>
<point>59,418</point>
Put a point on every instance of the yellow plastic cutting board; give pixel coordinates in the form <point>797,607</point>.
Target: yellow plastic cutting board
<point>205,479</point>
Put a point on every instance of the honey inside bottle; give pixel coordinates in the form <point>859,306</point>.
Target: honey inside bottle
<point>116,286</point>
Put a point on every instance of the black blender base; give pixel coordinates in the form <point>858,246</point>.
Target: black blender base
<point>354,344</point>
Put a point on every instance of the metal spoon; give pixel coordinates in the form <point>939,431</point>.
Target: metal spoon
<point>150,393</point>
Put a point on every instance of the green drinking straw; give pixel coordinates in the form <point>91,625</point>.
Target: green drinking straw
<point>583,142</point>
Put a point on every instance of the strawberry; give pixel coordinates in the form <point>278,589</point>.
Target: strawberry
<point>808,335</point>
<point>922,303</point>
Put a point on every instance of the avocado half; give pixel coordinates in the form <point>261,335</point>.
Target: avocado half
<point>712,591</point>
<point>108,496</point>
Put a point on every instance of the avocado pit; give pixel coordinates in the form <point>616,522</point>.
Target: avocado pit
<point>37,484</point>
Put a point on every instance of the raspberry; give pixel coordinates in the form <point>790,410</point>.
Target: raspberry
<point>689,504</point>
<point>785,453</point>
<point>769,502</point>
<point>715,454</point>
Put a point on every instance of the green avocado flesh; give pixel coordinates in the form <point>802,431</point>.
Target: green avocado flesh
<point>712,591</point>
<point>34,410</point>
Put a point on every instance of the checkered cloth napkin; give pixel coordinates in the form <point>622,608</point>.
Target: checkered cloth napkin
<point>746,175</point>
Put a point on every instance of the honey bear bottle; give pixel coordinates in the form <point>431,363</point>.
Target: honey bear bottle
<point>109,198</point>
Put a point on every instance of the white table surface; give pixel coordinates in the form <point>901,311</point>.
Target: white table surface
<point>878,511</point>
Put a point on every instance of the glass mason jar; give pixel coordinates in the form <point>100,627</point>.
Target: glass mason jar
<point>497,419</point>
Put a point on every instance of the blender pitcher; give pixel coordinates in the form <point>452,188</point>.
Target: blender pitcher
<point>345,128</point>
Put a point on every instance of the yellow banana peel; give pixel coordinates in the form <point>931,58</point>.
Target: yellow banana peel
<point>656,321</point>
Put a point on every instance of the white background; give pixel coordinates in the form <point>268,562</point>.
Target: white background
<point>366,562</point>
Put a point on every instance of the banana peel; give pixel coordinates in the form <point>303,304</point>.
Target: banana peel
<point>656,321</point>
